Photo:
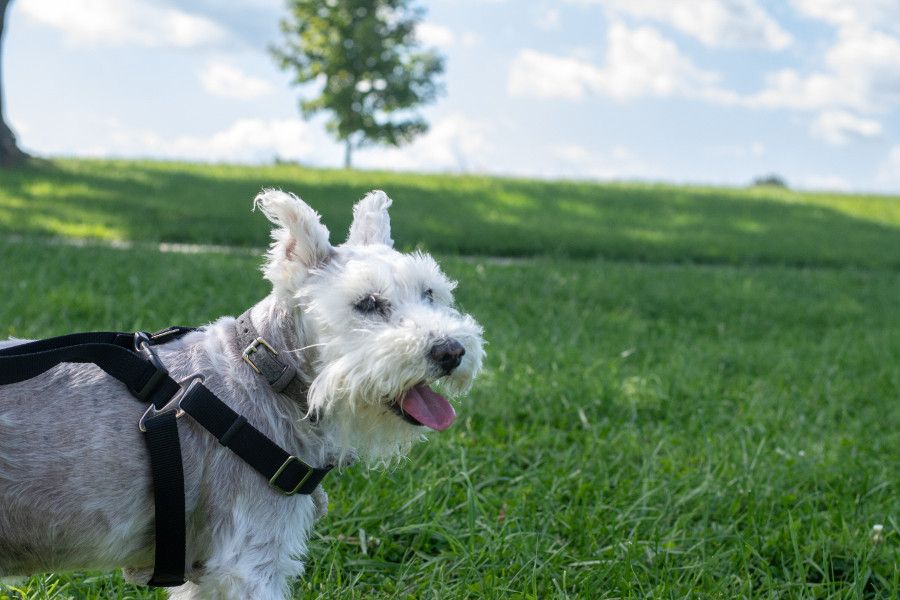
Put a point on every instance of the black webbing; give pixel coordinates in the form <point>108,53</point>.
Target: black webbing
<point>114,353</point>
<point>110,351</point>
<point>161,435</point>
<point>126,340</point>
<point>147,379</point>
<point>257,450</point>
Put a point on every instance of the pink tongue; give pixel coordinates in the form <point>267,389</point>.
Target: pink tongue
<point>428,407</point>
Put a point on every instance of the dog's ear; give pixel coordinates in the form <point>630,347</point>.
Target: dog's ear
<point>299,242</point>
<point>371,223</point>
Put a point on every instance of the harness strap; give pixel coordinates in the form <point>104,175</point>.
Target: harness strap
<point>161,436</point>
<point>285,472</point>
<point>148,380</point>
<point>111,351</point>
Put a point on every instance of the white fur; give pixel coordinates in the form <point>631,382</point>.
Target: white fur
<point>299,243</point>
<point>371,223</point>
<point>75,490</point>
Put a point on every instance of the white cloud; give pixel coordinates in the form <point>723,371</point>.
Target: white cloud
<point>469,39</point>
<point>786,88</point>
<point>824,183</point>
<point>751,150</point>
<point>548,19</point>
<point>622,153</point>
<point>889,172</point>
<point>124,22</point>
<point>837,127</point>
<point>245,141</point>
<point>432,34</point>
<point>717,23</point>
<point>573,160</point>
<point>256,140</point>
<point>579,162</point>
<point>453,143</point>
<point>548,76</point>
<point>860,75</point>
<point>223,79</point>
<point>252,140</point>
<point>858,14</point>
<point>638,62</point>
<point>863,73</point>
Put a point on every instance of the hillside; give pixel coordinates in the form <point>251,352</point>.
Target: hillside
<point>210,204</point>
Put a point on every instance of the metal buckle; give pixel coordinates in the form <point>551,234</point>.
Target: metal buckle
<point>253,348</point>
<point>163,333</point>
<point>174,403</point>
<point>281,469</point>
<point>142,345</point>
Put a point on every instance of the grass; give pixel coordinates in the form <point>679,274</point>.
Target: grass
<point>173,202</point>
<point>644,428</point>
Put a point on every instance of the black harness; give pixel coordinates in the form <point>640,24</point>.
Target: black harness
<point>131,359</point>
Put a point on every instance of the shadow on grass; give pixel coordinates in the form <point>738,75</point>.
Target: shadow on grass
<point>175,202</point>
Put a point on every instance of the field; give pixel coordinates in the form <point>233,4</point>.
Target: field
<point>689,392</point>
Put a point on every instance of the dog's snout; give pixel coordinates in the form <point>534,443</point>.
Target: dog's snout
<point>447,354</point>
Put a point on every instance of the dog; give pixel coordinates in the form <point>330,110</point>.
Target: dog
<point>368,331</point>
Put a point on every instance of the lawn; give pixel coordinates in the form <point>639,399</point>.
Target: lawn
<point>174,202</point>
<point>711,412</point>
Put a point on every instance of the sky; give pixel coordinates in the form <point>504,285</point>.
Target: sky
<point>695,91</point>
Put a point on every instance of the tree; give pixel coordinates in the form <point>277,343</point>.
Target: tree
<point>10,154</point>
<point>770,180</point>
<point>372,70</point>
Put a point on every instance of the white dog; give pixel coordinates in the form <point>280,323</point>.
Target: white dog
<point>366,329</point>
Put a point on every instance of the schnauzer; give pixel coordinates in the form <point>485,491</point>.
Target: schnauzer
<point>365,329</point>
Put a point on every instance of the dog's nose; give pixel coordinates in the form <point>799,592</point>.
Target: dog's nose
<point>447,354</point>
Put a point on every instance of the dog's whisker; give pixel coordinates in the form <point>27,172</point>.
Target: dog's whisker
<point>320,344</point>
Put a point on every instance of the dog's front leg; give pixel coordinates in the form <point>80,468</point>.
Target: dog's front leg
<point>254,553</point>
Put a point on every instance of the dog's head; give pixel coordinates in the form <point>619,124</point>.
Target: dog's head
<point>381,325</point>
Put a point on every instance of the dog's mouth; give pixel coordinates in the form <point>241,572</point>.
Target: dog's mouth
<point>421,405</point>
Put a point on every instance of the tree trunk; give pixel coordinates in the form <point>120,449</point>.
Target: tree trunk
<point>348,151</point>
<point>10,154</point>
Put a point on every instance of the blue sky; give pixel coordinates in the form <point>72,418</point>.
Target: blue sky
<point>707,91</point>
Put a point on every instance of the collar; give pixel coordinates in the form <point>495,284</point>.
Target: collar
<point>264,359</point>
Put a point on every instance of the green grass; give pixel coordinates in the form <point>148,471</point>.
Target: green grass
<point>644,428</point>
<point>175,202</point>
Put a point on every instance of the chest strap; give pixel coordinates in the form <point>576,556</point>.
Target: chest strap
<point>131,359</point>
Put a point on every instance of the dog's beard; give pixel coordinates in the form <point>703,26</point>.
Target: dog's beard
<point>361,374</point>
<point>357,401</point>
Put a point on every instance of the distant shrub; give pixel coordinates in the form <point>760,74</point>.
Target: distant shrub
<point>771,180</point>
<point>279,161</point>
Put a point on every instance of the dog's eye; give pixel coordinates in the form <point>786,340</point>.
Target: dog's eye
<point>371,304</point>
<point>428,295</point>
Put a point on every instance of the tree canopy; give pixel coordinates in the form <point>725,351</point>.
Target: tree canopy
<point>370,66</point>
